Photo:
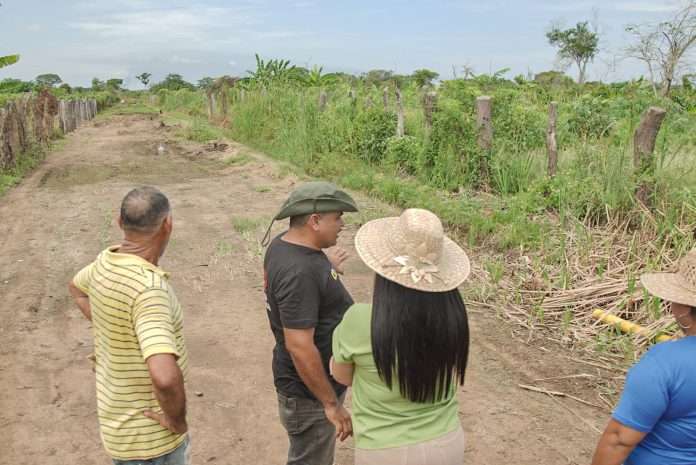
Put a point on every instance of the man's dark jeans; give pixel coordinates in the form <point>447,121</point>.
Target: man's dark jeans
<point>312,436</point>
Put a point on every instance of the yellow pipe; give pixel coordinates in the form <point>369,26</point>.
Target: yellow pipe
<point>626,326</point>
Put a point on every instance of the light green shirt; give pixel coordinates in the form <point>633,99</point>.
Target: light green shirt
<point>382,417</point>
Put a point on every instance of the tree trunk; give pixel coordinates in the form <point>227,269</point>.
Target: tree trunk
<point>581,71</point>
<point>551,143</point>
<point>399,114</point>
<point>667,87</point>
<point>643,148</point>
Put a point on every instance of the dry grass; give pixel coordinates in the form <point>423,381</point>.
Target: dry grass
<point>552,294</point>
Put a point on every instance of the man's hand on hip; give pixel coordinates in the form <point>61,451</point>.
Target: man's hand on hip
<point>165,421</point>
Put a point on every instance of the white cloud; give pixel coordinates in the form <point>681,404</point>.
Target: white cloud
<point>645,6</point>
<point>176,59</point>
<point>183,23</point>
<point>632,6</point>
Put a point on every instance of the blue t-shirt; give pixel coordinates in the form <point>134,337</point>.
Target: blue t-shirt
<point>660,399</point>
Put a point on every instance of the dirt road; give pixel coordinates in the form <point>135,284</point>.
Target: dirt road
<point>63,214</point>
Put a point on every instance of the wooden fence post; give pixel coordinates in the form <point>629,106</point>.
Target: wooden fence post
<point>211,105</point>
<point>225,104</point>
<point>483,122</point>
<point>643,148</point>
<point>385,98</point>
<point>3,142</point>
<point>429,104</point>
<point>61,116</point>
<point>399,114</point>
<point>485,136</point>
<point>551,143</point>
<point>368,102</point>
<point>322,100</point>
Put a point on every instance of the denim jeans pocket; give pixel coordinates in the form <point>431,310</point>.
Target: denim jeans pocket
<point>287,411</point>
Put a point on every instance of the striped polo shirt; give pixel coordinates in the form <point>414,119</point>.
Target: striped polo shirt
<point>135,314</point>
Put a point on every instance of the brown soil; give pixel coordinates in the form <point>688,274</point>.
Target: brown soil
<point>62,215</point>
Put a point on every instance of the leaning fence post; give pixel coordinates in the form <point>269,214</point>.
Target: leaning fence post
<point>643,147</point>
<point>429,103</point>
<point>551,143</point>
<point>399,114</point>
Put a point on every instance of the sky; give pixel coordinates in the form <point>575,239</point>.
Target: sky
<point>80,39</point>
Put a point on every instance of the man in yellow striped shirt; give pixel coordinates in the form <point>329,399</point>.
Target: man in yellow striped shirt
<point>141,358</point>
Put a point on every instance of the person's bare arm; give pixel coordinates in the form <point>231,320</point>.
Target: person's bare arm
<point>81,299</point>
<point>307,360</point>
<point>616,444</point>
<point>168,384</point>
<point>342,372</point>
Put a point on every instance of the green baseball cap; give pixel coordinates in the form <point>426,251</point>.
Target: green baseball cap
<point>313,197</point>
<point>316,197</point>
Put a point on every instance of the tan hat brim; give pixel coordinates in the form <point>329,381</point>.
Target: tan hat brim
<point>671,287</point>
<point>372,245</point>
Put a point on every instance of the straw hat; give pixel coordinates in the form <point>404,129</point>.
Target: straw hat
<point>412,250</point>
<point>679,287</point>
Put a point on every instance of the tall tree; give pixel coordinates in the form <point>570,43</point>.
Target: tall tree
<point>48,80</point>
<point>578,44</point>
<point>114,84</point>
<point>144,78</point>
<point>424,77</point>
<point>206,83</point>
<point>173,82</point>
<point>664,46</point>
<point>97,84</point>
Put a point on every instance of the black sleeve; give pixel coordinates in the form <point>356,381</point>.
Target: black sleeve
<point>297,295</point>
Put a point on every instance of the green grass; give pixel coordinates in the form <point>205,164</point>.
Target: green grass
<point>132,109</point>
<point>223,249</point>
<point>238,160</point>
<point>24,163</point>
<point>245,225</point>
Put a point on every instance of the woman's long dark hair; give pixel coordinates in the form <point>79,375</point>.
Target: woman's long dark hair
<point>421,338</point>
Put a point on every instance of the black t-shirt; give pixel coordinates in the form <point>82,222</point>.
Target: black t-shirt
<point>302,291</point>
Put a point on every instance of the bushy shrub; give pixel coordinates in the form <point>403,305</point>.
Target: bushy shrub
<point>589,117</point>
<point>403,153</point>
<point>371,130</point>
<point>451,158</point>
